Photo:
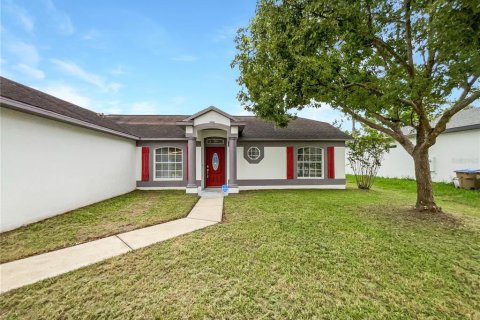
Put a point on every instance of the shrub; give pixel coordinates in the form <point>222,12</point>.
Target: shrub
<point>365,155</point>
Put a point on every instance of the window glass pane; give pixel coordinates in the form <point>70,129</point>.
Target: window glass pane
<point>309,162</point>
<point>301,172</point>
<point>168,163</point>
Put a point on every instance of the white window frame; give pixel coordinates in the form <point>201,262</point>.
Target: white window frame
<point>155,162</point>
<point>322,162</point>
<point>259,153</point>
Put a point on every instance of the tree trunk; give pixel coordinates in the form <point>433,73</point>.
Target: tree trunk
<point>425,198</point>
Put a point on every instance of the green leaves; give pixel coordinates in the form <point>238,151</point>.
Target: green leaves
<point>365,155</point>
<point>371,58</point>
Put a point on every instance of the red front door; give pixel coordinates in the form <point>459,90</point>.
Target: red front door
<point>214,166</point>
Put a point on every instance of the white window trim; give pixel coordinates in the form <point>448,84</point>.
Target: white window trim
<point>323,164</point>
<point>155,165</point>
<point>259,153</point>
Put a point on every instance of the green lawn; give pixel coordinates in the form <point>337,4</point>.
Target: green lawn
<point>123,213</point>
<point>299,254</point>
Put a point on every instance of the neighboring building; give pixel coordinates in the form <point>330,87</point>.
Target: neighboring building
<point>458,147</point>
<point>56,156</point>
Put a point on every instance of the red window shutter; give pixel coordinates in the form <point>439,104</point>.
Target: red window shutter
<point>289,162</point>
<point>145,158</point>
<point>331,162</point>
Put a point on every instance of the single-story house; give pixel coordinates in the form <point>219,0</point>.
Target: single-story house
<point>56,156</point>
<point>458,147</point>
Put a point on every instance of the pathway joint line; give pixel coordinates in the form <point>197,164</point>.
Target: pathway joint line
<point>202,219</point>
<point>124,242</point>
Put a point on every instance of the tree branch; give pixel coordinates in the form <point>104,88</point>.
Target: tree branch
<point>408,33</point>
<point>468,87</point>
<point>396,134</point>
<point>448,114</point>
<point>378,92</point>
<point>431,51</point>
<point>379,43</point>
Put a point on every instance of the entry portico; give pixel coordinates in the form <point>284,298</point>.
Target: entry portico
<point>212,132</point>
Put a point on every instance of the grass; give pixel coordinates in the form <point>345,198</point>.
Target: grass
<point>123,213</point>
<point>298,254</point>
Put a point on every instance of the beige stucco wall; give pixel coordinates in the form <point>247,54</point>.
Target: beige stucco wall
<point>272,166</point>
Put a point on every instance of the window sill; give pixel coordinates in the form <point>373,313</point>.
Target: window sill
<point>310,178</point>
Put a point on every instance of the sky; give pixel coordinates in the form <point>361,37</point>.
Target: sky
<point>129,57</point>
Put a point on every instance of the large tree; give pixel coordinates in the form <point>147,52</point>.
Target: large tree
<point>389,64</point>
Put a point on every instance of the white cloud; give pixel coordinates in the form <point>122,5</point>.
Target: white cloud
<point>30,71</point>
<point>62,21</point>
<point>91,34</point>
<point>325,113</point>
<point>185,58</point>
<point>92,78</point>
<point>240,111</point>
<point>67,93</point>
<point>145,107</point>
<point>22,17</point>
<point>168,106</point>
<point>25,52</point>
<point>109,107</point>
<point>118,71</point>
<point>225,33</point>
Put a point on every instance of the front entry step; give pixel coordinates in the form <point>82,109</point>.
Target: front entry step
<point>211,193</point>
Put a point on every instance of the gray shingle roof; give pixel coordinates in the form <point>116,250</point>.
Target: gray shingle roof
<point>298,129</point>
<point>466,119</point>
<point>151,126</point>
<point>165,126</point>
<point>21,93</point>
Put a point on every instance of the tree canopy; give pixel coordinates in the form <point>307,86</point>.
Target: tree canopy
<point>392,63</point>
<point>386,63</point>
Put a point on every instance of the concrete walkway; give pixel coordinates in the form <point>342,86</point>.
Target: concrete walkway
<point>15,274</point>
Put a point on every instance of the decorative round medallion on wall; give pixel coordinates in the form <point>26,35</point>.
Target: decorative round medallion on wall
<point>215,161</point>
<point>253,153</point>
